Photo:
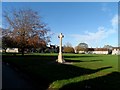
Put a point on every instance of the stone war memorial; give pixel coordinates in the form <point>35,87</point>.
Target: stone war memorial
<point>60,58</point>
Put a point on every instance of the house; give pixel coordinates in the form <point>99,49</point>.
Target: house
<point>1,50</point>
<point>52,49</point>
<point>97,51</point>
<point>113,51</point>
<point>116,51</point>
<point>12,50</point>
<point>100,51</point>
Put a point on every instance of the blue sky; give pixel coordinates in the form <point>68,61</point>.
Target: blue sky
<point>94,23</point>
<point>60,0</point>
<point>0,14</point>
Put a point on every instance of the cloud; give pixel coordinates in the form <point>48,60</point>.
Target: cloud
<point>114,21</point>
<point>91,37</point>
<point>97,37</point>
<point>105,7</point>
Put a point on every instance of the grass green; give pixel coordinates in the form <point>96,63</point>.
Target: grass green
<point>81,71</point>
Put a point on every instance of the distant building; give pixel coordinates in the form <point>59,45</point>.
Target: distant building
<point>113,51</point>
<point>97,51</point>
<point>12,50</point>
<point>52,49</point>
<point>100,51</point>
<point>116,51</point>
<point>1,50</point>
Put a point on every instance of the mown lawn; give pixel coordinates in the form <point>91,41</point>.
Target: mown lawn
<point>81,71</point>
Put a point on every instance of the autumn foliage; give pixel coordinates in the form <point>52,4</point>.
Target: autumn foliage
<point>26,30</point>
<point>68,48</point>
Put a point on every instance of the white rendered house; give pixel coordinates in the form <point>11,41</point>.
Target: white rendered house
<point>13,50</point>
<point>116,51</point>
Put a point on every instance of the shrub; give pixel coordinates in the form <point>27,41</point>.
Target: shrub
<point>68,50</point>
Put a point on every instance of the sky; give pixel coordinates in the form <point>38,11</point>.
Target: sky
<point>0,14</point>
<point>60,0</point>
<point>94,23</point>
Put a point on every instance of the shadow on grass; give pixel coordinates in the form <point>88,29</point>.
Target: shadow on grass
<point>43,70</point>
<point>108,82</point>
<point>72,61</point>
<point>81,56</point>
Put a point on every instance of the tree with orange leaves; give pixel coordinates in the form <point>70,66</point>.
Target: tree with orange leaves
<point>27,29</point>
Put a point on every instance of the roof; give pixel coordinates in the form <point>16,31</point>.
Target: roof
<point>116,47</point>
<point>100,49</point>
<point>97,49</point>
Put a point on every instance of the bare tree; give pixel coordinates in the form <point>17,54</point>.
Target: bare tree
<point>27,28</point>
<point>108,46</point>
<point>82,47</point>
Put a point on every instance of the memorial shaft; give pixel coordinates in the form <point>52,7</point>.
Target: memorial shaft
<point>60,59</point>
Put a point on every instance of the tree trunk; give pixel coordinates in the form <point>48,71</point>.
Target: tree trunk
<point>5,50</point>
<point>22,51</point>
